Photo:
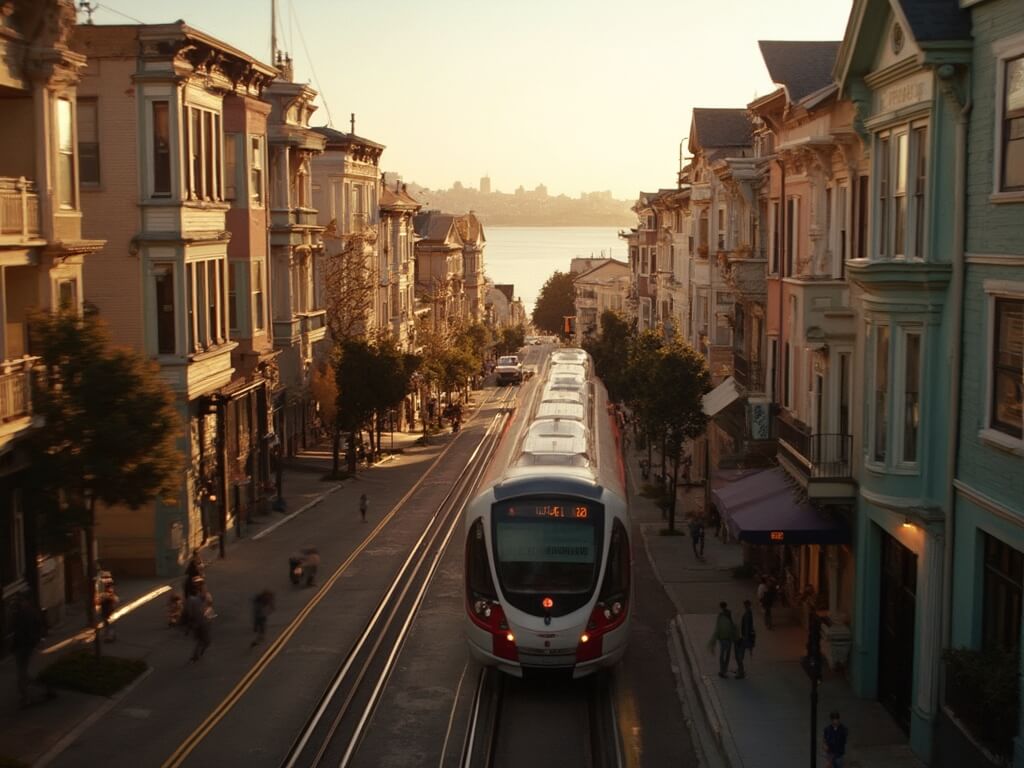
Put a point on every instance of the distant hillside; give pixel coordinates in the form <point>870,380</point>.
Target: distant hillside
<point>530,209</point>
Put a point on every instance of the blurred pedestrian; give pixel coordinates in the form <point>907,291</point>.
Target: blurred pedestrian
<point>725,636</point>
<point>175,608</point>
<point>193,604</point>
<point>835,742</point>
<point>27,626</point>
<point>193,570</point>
<point>745,641</point>
<point>108,604</point>
<point>310,565</point>
<point>364,505</point>
<point>202,620</point>
<point>262,607</point>
<point>770,593</point>
<point>697,537</point>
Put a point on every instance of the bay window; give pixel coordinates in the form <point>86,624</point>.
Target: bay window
<point>161,150</point>
<point>204,150</point>
<point>880,399</point>
<point>163,294</point>
<point>902,168</point>
<point>911,395</point>
<point>206,304</point>
<point>66,155</point>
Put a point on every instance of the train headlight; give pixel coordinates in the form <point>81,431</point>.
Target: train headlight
<point>510,637</point>
<point>584,638</point>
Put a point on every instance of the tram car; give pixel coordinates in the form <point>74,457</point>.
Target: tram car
<point>548,564</point>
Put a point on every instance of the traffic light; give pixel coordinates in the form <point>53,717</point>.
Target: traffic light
<point>569,325</point>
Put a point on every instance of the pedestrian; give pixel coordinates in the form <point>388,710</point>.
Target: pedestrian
<point>745,641</point>
<point>262,606</point>
<point>108,604</point>
<point>762,588</point>
<point>202,620</point>
<point>835,742</point>
<point>28,631</point>
<point>175,608</point>
<point>770,593</point>
<point>364,505</point>
<point>193,570</point>
<point>193,604</point>
<point>697,537</point>
<point>725,636</point>
<point>310,565</point>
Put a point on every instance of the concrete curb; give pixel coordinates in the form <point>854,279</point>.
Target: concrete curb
<point>704,742</point>
<point>71,736</point>
<point>710,704</point>
<point>308,505</point>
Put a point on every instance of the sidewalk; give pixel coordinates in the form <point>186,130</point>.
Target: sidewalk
<point>36,735</point>
<point>762,721</point>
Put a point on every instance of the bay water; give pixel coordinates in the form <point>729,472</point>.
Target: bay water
<point>527,256</point>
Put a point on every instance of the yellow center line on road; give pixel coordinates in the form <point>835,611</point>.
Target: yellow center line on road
<point>193,740</point>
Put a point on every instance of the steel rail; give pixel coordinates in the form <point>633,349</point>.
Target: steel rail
<point>377,630</point>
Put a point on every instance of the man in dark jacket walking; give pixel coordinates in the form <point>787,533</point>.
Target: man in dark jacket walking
<point>746,639</point>
<point>835,742</point>
<point>725,636</point>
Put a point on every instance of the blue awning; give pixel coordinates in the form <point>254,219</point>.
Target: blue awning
<point>762,509</point>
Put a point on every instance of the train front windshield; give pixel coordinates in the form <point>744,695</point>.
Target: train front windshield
<point>547,551</point>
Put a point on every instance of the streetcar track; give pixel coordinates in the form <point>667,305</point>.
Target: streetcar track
<point>194,739</point>
<point>420,553</point>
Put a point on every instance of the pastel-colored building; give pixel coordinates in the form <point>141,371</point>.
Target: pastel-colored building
<point>43,253</point>
<point>904,64</point>
<point>603,287</point>
<point>155,100</point>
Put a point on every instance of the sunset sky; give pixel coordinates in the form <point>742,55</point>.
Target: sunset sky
<point>580,95</point>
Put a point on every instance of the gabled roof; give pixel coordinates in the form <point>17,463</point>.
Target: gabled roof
<point>336,138</point>
<point>470,228</point>
<point>800,66</point>
<point>591,274</point>
<point>719,128</point>
<point>400,198</point>
<point>437,227</point>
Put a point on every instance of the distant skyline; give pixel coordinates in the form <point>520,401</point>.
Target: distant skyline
<point>580,95</point>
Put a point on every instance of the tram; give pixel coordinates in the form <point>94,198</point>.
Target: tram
<point>548,564</point>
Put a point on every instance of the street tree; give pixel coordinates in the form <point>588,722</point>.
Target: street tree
<point>639,386</point>
<point>609,351</point>
<point>511,340</point>
<point>555,302</point>
<point>349,284</point>
<point>110,432</point>
<point>679,381</point>
<point>323,386</point>
<point>356,396</point>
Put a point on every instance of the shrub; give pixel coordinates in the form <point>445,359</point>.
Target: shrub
<point>84,671</point>
<point>982,689</point>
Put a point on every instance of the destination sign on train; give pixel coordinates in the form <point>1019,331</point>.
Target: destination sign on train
<point>572,511</point>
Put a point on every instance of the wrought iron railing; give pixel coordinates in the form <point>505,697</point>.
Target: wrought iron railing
<point>19,208</point>
<point>16,389</point>
<point>748,373</point>
<point>821,455</point>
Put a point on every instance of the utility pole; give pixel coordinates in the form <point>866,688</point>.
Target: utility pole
<point>273,33</point>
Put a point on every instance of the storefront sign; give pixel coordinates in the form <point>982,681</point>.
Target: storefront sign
<point>777,536</point>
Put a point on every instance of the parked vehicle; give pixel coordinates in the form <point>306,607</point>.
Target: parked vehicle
<point>509,370</point>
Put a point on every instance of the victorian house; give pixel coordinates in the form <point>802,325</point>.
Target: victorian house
<point>601,288</point>
<point>473,243</point>
<point>440,284</point>
<point>43,252</point>
<point>153,101</point>
<point>642,242</point>
<point>297,312</point>
<point>347,190</point>
<point>905,65</point>
<point>988,484</point>
<point>397,246</point>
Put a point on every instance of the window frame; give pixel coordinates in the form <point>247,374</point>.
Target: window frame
<point>901,184</point>
<point>998,291</point>
<point>160,159</point>
<point>88,148</point>
<point>157,270</point>
<point>1005,50</point>
<point>994,549</point>
<point>67,154</point>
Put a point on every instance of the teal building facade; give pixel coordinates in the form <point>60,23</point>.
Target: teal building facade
<point>988,486</point>
<point>906,66</point>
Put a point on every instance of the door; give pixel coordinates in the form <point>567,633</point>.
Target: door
<point>896,629</point>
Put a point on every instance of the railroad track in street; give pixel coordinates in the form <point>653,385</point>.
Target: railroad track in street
<point>371,644</point>
<point>515,722</point>
<point>335,728</point>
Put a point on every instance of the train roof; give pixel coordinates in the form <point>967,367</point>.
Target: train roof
<point>561,410</point>
<point>558,428</point>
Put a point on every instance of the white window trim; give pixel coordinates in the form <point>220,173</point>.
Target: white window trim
<point>869,410</point>
<point>1001,289</point>
<point>887,251</point>
<point>1003,50</point>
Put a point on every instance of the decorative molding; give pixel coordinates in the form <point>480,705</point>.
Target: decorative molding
<point>988,503</point>
<point>995,259</point>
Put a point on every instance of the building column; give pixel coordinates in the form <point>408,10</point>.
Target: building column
<point>929,644</point>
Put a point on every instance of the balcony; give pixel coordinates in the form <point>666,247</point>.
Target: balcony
<point>19,210</point>
<point>748,373</point>
<point>821,463</point>
<point>15,396</point>
<point>313,325</point>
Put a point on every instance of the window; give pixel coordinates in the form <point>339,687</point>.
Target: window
<point>233,316</point>
<point>881,393</point>
<point>1011,124</point>
<point>792,233</point>
<point>902,172</point>
<point>88,143</point>
<point>842,237</point>
<point>256,170</point>
<point>257,294</point>
<point>774,238</point>
<point>67,294</point>
<point>863,194</point>
<point>721,228</point>
<point>911,395</point>
<point>1008,367</point>
<point>163,283</point>
<point>204,149</point>
<point>207,310</point>
<point>12,564</point>
<point>1002,588</point>
<point>161,150</point>
<point>787,379</point>
<point>230,166</point>
<point>66,155</point>
<point>702,231</point>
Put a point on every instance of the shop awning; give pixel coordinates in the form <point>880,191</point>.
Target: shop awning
<point>761,509</point>
<point>721,397</point>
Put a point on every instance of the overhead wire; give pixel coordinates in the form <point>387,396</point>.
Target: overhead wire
<point>312,66</point>
<point>119,13</point>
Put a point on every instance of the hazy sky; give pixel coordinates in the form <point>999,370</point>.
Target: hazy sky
<point>580,95</point>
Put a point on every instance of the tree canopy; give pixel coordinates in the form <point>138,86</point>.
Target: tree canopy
<point>555,302</point>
